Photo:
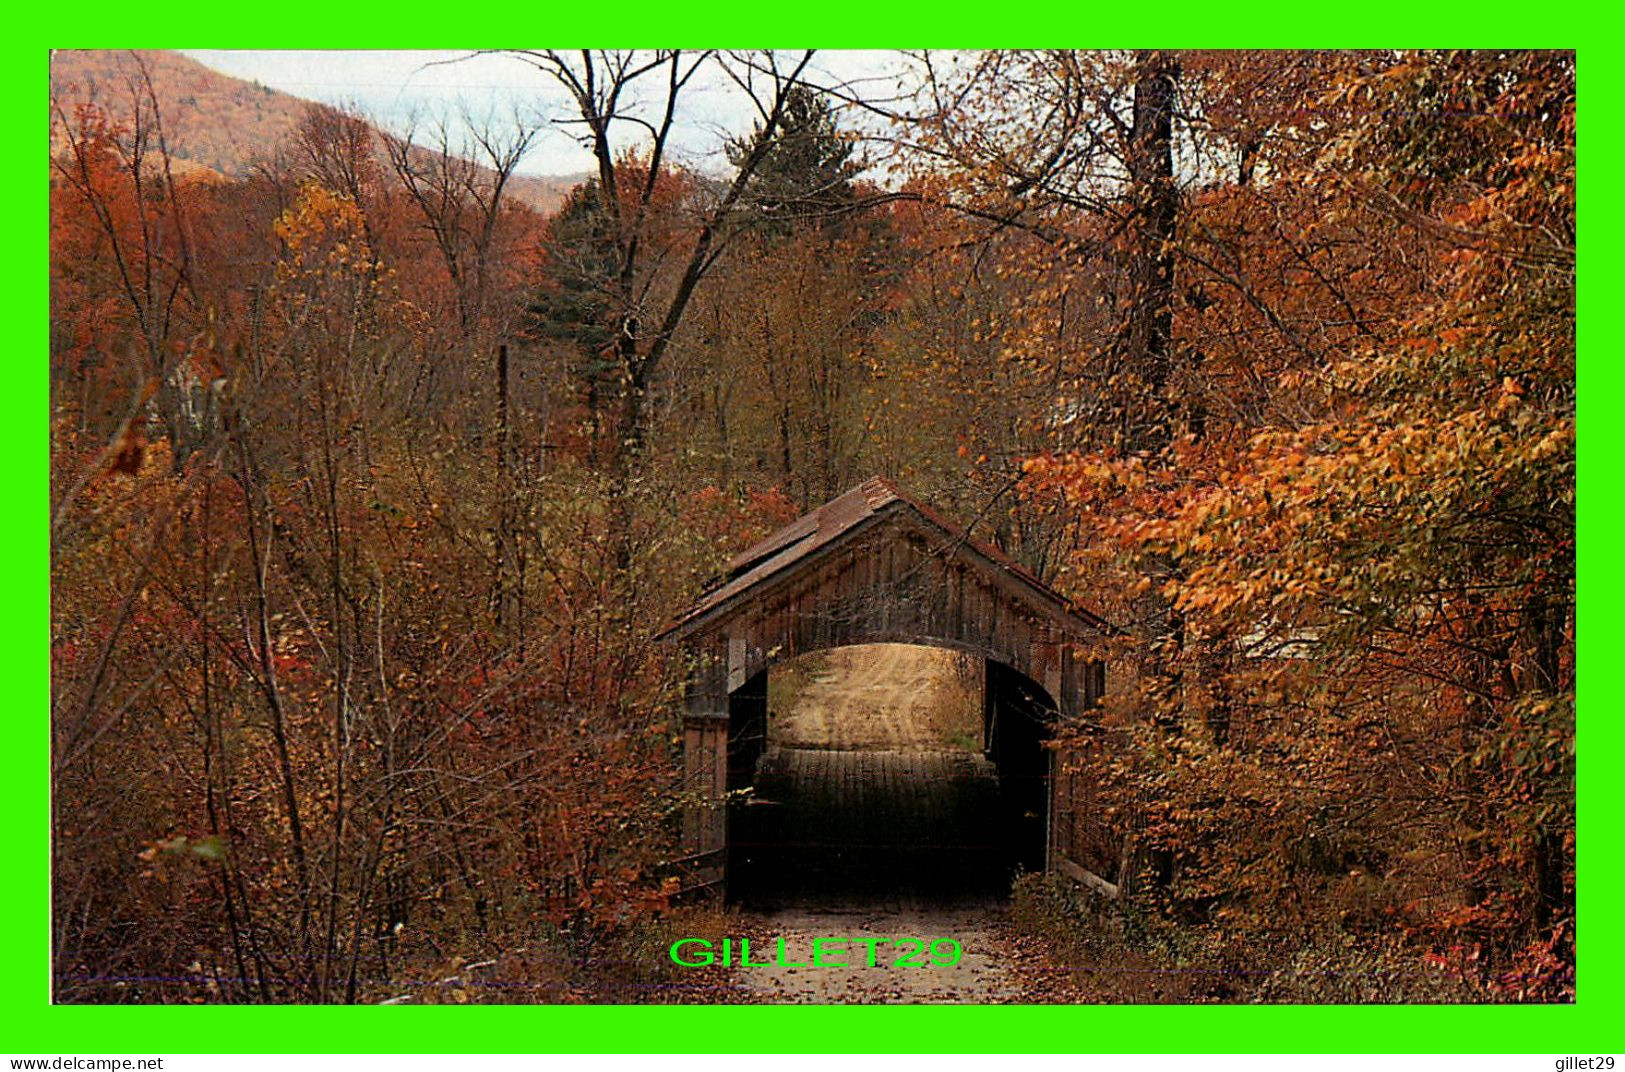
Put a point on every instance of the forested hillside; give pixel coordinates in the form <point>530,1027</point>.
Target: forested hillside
<point>372,486</point>
<point>215,124</point>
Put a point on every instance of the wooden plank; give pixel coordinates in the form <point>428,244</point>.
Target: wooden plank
<point>1083,876</point>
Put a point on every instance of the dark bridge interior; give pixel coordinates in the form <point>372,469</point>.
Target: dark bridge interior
<point>826,826</point>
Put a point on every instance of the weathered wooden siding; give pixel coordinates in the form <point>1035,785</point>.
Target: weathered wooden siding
<point>893,586</point>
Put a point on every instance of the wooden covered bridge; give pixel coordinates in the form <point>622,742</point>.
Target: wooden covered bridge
<point>875,566</point>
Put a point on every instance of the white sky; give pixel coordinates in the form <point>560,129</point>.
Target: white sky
<point>390,86</point>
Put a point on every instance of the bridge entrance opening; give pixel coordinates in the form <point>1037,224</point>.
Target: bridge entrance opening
<point>880,772</point>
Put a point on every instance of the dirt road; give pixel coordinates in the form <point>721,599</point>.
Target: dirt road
<point>982,976</point>
<point>875,817</point>
<point>881,696</point>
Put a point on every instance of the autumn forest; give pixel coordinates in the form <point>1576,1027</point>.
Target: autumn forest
<point>379,464</point>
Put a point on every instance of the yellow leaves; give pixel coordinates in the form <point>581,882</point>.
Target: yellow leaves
<point>316,212</point>
<point>323,232</point>
<point>1508,398</point>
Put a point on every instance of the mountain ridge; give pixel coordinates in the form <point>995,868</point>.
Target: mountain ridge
<point>215,123</point>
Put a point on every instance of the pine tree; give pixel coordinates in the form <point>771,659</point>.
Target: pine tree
<point>806,176</point>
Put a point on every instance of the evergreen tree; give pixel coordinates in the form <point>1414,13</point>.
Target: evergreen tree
<point>574,308</point>
<point>806,176</point>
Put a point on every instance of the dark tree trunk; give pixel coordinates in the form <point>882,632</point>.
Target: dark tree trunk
<point>1149,342</point>
<point>1147,355</point>
<point>507,536</point>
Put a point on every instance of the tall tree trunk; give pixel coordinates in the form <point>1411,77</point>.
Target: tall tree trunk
<point>1155,204</point>
<point>505,596</point>
<point>1148,333</point>
<point>1147,354</point>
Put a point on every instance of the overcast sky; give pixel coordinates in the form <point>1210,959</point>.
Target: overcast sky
<point>391,86</point>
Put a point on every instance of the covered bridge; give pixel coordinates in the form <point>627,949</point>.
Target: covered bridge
<point>875,566</point>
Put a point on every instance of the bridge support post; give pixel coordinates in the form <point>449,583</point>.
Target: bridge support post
<point>705,773</point>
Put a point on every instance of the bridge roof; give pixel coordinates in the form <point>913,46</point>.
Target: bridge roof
<point>808,539</point>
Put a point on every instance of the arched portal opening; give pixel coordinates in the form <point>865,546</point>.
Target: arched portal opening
<point>878,771</point>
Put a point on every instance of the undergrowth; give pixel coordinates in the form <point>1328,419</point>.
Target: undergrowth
<point>1125,953</point>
